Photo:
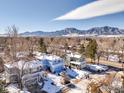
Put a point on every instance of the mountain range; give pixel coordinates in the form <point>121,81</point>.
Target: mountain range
<point>106,30</point>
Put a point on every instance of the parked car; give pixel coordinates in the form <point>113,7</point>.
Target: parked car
<point>96,68</point>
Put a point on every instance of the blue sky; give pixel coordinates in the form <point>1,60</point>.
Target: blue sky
<point>33,15</point>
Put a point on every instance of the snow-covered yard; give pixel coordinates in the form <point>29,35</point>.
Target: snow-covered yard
<point>81,87</point>
<point>56,79</point>
<point>52,83</point>
<point>13,88</point>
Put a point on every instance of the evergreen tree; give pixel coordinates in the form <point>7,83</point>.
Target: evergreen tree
<point>2,87</point>
<point>42,46</point>
<point>66,46</point>
<point>82,49</point>
<point>2,90</point>
<point>91,49</point>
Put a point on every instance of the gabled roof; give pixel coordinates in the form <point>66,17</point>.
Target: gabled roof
<point>24,65</point>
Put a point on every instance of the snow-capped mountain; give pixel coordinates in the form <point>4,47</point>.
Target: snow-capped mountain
<point>106,30</point>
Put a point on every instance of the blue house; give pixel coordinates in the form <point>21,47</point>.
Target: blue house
<point>54,63</point>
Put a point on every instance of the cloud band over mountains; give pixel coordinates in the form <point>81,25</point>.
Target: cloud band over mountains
<point>94,9</point>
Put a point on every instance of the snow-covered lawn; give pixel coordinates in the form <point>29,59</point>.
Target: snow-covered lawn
<point>81,73</point>
<point>13,88</point>
<point>56,79</point>
<point>52,78</point>
<point>81,87</point>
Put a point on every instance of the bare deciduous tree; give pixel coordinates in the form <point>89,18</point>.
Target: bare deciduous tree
<point>12,32</point>
<point>31,42</point>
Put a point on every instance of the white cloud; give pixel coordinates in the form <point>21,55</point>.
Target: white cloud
<point>94,9</point>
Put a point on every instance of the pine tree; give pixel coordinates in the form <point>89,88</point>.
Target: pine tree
<point>2,90</point>
<point>91,49</point>
<point>42,46</point>
<point>2,87</point>
<point>66,46</point>
<point>82,49</point>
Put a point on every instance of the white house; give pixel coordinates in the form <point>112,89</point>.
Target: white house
<point>31,72</point>
<point>76,60</point>
<point>21,69</point>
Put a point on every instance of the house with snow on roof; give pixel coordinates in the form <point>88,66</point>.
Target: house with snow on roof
<point>26,72</point>
<point>52,62</point>
<point>75,60</point>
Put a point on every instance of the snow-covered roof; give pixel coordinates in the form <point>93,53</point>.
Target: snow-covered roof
<point>53,59</point>
<point>50,88</point>
<point>21,54</point>
<point>23,64</point>
<point>12,88</point>
<point>76,63</point>
<point>30,64</point>
<point>48,57</point>
<point>43,56</point>
<point>8,65</point>
<point>74,55</point>
<point>24,92</point>
<point>71,73</point>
